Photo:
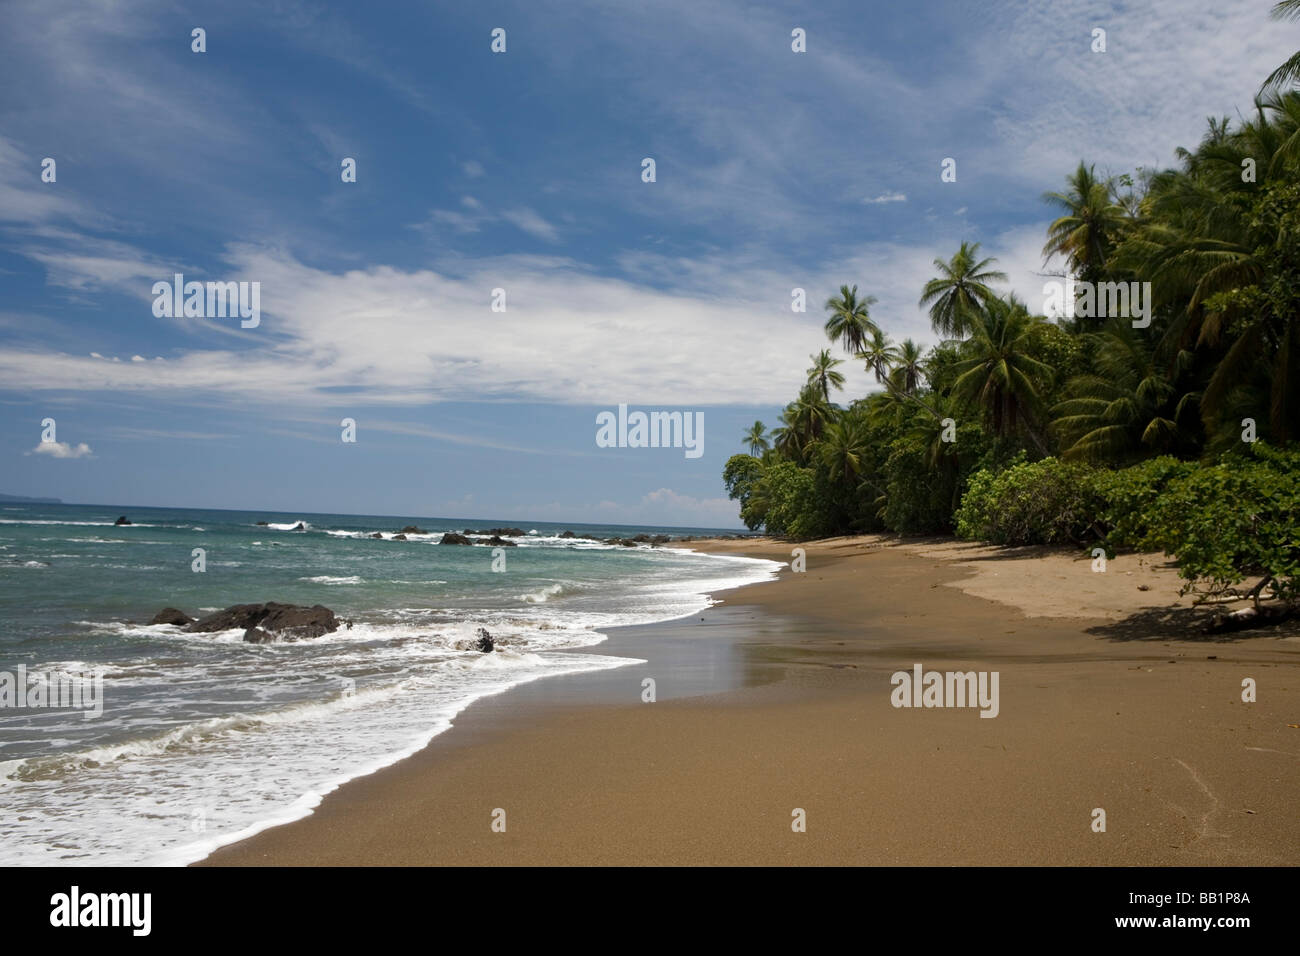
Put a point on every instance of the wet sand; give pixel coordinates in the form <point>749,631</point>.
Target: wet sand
<point>779,699</point>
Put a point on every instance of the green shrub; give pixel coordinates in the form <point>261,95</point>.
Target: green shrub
<point>741,475</point>
<point>1128,495</point>
<point>1041,502</point>
<point>1235,519</point>
<point>790,502</point>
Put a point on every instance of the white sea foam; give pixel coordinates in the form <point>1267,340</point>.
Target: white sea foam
<point>218,739</point>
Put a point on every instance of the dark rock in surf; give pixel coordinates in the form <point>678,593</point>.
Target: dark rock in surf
<point>485,643</point>
<point>121,520</point>
<point>412,529</point>
<point>280,621</point>
<point>567,534</point>
<point>497,541</point>
<point>255,635</point>
<point>451,537</point>
<point>399,537</point>
<point>262,524</point>
<point>169,615</point>
<point>377,536</point>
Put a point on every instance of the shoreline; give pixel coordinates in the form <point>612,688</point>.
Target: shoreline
<point>776,699</point>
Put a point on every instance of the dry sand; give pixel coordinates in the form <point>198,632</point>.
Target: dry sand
<point>779,699</point>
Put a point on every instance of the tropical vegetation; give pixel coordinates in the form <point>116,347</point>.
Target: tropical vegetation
<point>1019,427</point>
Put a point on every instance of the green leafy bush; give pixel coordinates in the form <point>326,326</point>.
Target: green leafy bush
<point>1041,502</point>
<point>785,500</point>
<point>741,475</point>
<point>1128,496</point>
<point>1235,519</point>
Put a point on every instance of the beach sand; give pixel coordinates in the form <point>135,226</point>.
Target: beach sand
<point>779,699</point>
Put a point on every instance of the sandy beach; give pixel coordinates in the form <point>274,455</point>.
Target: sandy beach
<point>779,699</point>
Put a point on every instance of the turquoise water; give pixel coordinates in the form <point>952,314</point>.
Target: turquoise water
<point>203,738</point>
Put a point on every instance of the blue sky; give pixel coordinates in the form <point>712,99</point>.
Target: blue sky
<point>522,171</point>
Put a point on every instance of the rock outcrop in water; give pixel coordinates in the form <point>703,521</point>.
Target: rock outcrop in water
<point>412,529</point>
<point>451,537</point>
<point>121,520</point>
<point>497,541</point>
<point>271,621</point>
<point>169,615</point>
<point>485,643</point>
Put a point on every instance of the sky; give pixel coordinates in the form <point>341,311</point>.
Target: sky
<point>522,171</point>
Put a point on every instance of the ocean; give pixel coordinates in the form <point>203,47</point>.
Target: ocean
<point>205,739</point>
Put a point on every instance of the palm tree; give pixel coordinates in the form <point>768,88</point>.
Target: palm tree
<point>999,376</point>
<point>1128,406</point>
<point>1288,72</point>
<point>880,355</point>
<point>756,438</point>
<point>823,374</point>
<point>802,424</point>
<point>909,367</point>
<point>1218,247</point>
<point>1092,223</point>
<point>844,447</point>
<point>811,413</point>
<point>850,322</point>
<point>960,291</point>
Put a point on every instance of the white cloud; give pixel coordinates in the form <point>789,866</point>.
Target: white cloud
<point>531,223</point>
<point>721,333</point>
<point>472,169</point>
<point>887,197</point>
<point>61,449</point>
